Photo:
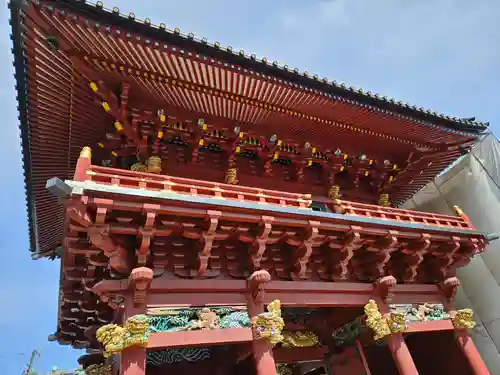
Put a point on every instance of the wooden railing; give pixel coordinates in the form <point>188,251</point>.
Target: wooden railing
<point>390,213</point>
<point>156,182</point>
<point>149,181</point>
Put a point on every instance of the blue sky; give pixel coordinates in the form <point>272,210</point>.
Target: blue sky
<point>440,54</point>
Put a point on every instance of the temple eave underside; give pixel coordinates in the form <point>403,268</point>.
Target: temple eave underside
<point>140,75</point>
<point>111,230</point>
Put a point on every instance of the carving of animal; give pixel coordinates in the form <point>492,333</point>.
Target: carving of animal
<point>464,319</point>
<point>207,319</point>
<point>299,339</point>
<point>268,325</point>
<point>115,338</point>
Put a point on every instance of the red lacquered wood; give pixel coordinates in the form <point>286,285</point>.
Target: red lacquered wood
<point>471,353</point>
<point>164,340</point>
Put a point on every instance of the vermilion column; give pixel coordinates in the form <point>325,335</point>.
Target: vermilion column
<point>477,364</point>
<point>401,355</point>
<point>262,349</point>
<point>133,360</point>
<point>395,342</point>
<point>478,367</point>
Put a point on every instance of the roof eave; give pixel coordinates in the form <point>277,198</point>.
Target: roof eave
<point>273,69</point>
<point>16,7</point>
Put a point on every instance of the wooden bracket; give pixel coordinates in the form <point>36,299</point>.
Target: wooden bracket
<point>258,247</point>
<point>415,253</point>
<point>351,243</point>
<point>304,251</point>
<point>139,282</point>
<point>383,288</point>
<point>449,288</point>
<point>256,285</point>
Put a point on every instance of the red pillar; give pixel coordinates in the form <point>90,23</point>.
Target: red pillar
<point>395,342</point>
<point>477,364</point>
<point>262,349</point>
<point>133,360</point>
<point>401,355</point>
<point>478,367</point>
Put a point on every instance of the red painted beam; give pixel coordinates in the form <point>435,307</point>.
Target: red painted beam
<point>294,355</point>
<point>167,292</point>
<point>163,340</point>
<point>430,326</point>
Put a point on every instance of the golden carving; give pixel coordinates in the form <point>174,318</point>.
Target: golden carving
<point>139,167</point>
<point>376,321</point>
<point>334,192</point>
<point>268,325</point>
<point>384,200</point>
<point>283,369</point>
<point>86,153</point>
<point>232,176</point>
<point>207,319</point>
<point>154,164</point>
<point>464,319</point>
<point>100,369</point>
<point>115,338</point>
<point>458,210</point>
<point>299,339</point>
<point>397,322</point>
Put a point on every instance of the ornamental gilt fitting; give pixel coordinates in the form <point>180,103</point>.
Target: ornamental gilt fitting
<point>86,153</point>
<point>99,369</point>
<point>115,339</point>
<point>268,325</point>
<point>232,176</point>
<point>383,326</point>
<point>334,192</point>
<point>464,319</point>
<point>154,164</point>
<point>299,339</point>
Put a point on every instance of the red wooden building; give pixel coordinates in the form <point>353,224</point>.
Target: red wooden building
<point>220,213</point>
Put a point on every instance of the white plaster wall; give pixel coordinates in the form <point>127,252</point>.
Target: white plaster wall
<point>473,185</point>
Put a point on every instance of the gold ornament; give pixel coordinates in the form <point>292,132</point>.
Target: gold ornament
<point>334,192</point>
<point>115,338</point>
<point>299,339</point>
<point>86,153</point>
<point>154,165</point>
<point>397,322</point>
<point>384,200</point>
<point>232,176</point>
<point>376,321</point>
<point>464,319</point>
<point>268,325</point>
<point>139,167</point>
<point>100,369</point>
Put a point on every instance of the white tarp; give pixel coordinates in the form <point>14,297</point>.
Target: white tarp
<point>473,184</point>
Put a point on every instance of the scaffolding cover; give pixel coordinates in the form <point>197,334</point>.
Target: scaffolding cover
<point>473,184</point>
